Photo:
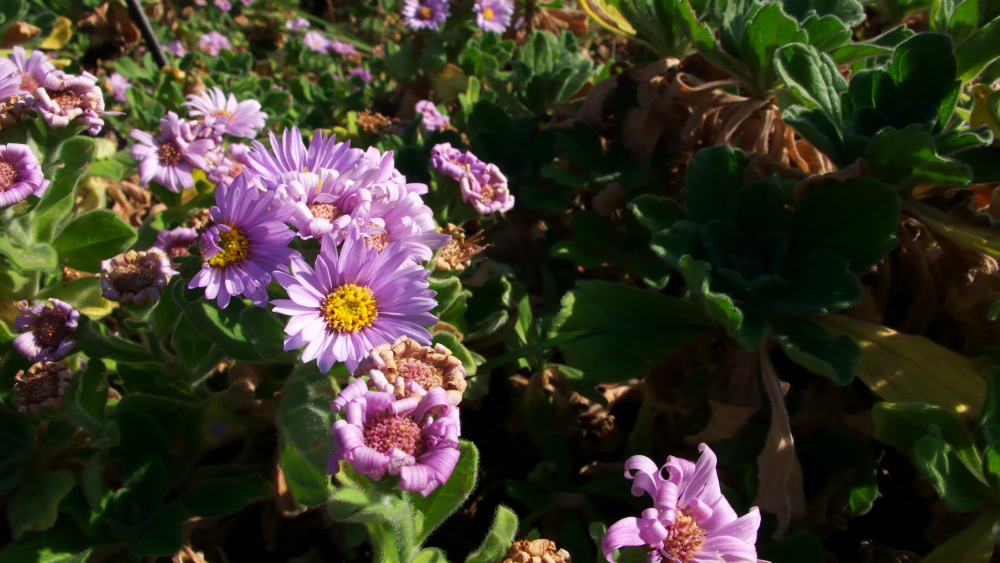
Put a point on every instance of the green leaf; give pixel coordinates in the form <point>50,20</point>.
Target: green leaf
<point>36,256</point>
<point>924,68</point>
<point>767,31</point>
<point>862,492</point>
<point>52,546</point>
<point>854,219</point>
<point>430,555</point>
<point>978,51</point>
<point>643,328</point>
<point>221,496</point>
<point>901,367</point>
<point>909,157</point>
<point>657,213</point>
<point>83,293</point>
<point>814,79</point>
<point>221,326</point>
<point>851,12</point>
<point>812,346</point>
<point>711,181</point>
<point>74,156</point>
<point>264,331</point>
<point>498,538</point>
<point>35,505</point>
<point>17,443</point>
<point>447,498</point>
<point>304,420</point>
<point>974,544</point>
<point>164,534</point>
<point>92,237</point>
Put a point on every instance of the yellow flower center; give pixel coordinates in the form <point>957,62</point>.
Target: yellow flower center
<point>685,539</point>
<point>222,113</point>
<point>349,308</point>
<point>425,13</point>
<point>488,14</point>
<point>234,248</point>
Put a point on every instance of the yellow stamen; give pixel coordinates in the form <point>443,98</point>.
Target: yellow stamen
<point>425,13</point>
<point>349,308</point>
<point>488,14</point>
<point>234,248</point>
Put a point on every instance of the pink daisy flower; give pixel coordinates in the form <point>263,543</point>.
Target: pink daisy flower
<point>171,156</point>
<point>225,114</point>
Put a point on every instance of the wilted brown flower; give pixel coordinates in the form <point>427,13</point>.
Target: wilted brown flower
<point>536,551</point>
<point>42,386</point>
<point>378,124</point>
<point>457,254</point>
<point>406,360</point>
<point>135,278</point>
<point>20,32</point>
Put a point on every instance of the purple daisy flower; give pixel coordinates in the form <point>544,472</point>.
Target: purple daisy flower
<point>240,119</point>
<point>224,5</point>
<point>297,23</point>
<point>63,98</point>
<point>213,42</point>
<point>177,48</point>
<point>454,163</point>
<point>408,223</point>
<point>354,300</point>
<point>119,86</point>
<point>327,202</point>
<point>175,242</point>
<point>289,154</point>
<point>47,330</point>
<point>316,41</point>
<point>361,73</point>
<point>690,520</point>
<point>171,156</point>
<point>20,174</point>
<point>32,70</point>
<point>425,14</point>
<point>432,120</point>
<point>416,439</point>
<point>247,240</point>
<point>229,166</point>
<point>487,190</point>
<point>494,15</point>
<point>341,48</point>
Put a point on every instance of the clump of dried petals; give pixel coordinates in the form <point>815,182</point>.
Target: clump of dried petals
<point>457,254</point>
<point>378,124</point>
<point>41,386</point>
<point>536,551</point>
<point>406,362</point>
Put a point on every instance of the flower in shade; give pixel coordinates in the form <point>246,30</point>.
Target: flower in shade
<point>213,42</point>
<point>342,48</point>
<point>411,369</point>
<point>224,5</point>
<point>297,23</point>
<point>487,190</point>
<point>171,156</point>
<point>353,301</point>
<point>135,277</point>
<point>246,241</point>
<point>119,86</point>
<point>316,41</point>
<point>48,330</point>
<point>361,73</point>
<point>225,114</point>
<point>64,97</point>
<point>494,15</point>
<point>416,439</point>
<point>20,174</point>
<point>690,522</point>
<point>432,120</point>
<point>454,163</point>
<point>425,14</point>
<point>177,48</point>
<point>40,387</point>
<point>175,242</point>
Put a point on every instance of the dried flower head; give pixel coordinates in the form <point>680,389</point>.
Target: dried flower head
<point>136,277</point>
<point>378,124</point>
<point>536,551</point>
<point>41,386</point>
<point>458,253</point>
<point>47,330</point>
<point>406,362</point>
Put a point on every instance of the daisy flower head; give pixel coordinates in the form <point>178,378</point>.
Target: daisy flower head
<point>170,157</point>
<point>230,165</point>
<point>32,69</point>
<point>297,23</point>
<point>41,387</point>
<point>246,241</point>
<point>225,114</point>
<point>354,300</point>
<point>316,41</point>
<point>177,48</point>
<point>342,48</point>
<point>119,86</point>
<point>690,520</point>
<point>290,154</point>
<point>425,14</point>
<point>20,174</point>
<point>409,369</point>
<point>213,42</point>
<point>453,162</point>
<point>416,439</point>
<point>47,330</point>
<point>487,190</point>
<point>432,119</point>
<point>175,242</point>
<point>408,223</point>
<point>494,15</point>
<point>326,202</point>
<point>135,277</point>
<point>64,97</point>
